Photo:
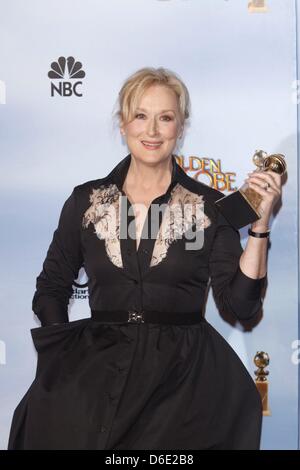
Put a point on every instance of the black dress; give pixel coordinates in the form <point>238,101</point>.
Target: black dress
<point>132,385</point>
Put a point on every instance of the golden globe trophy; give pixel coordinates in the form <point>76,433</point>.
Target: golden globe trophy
<point>257,6</point>
<point>241,207</point>
<point>262,360</point>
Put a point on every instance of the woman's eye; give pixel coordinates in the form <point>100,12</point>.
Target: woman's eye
<point>168,118</point>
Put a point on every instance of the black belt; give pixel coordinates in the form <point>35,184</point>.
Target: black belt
<point>148,316</point>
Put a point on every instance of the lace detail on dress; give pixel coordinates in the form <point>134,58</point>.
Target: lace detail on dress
<point>184,209</point>
<point>105,215</point>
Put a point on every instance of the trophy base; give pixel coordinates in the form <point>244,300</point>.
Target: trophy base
<point>237,210</point>
<point>262,387</point>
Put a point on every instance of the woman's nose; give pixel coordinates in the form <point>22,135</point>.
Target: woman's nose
<point>152,127</point>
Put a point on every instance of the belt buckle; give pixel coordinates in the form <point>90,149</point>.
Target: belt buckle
<point>135,317</point>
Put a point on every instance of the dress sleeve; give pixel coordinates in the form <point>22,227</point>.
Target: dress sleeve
<point>233,291</point>
<point>60,268</point>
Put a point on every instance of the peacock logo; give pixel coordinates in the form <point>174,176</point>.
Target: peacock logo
<point>66,68</point>
<point>63,70</point>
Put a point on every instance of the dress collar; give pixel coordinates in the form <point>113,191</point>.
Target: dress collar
<point>119,173</point>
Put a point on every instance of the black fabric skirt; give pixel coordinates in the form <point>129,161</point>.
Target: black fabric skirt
<point>136,386</point>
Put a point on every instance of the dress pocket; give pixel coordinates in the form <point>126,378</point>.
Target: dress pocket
<point>52,341</point>
<point>45,336</point>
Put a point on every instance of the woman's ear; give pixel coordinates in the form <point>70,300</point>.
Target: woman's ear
<point>122,130</point>
<point>121,125</point>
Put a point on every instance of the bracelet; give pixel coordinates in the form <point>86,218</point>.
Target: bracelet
<point>259,235</point>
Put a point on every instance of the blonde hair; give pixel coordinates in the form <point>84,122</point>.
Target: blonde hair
<point>137,83</point>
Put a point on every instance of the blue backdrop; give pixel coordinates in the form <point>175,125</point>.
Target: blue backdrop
<point>239,62</point>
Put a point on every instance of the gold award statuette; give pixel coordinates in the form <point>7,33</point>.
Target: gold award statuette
<point>241,207</point>
<point>257,6</point>
<point>262,360</point>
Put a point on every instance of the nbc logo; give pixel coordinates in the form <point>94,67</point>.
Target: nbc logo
<point>62,72</point>
<point>2,92</point>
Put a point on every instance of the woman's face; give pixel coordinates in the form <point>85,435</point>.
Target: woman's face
<point>157,122</point>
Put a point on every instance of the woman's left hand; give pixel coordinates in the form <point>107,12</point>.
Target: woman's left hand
<point>268,184</point>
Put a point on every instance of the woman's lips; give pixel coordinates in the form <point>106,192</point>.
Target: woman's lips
<point>151,146</point>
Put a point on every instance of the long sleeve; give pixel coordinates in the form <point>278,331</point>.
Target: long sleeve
<point>234,292</point>
<point>60,268</point>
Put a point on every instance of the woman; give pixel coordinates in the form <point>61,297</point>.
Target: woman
<point>146,371</point>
